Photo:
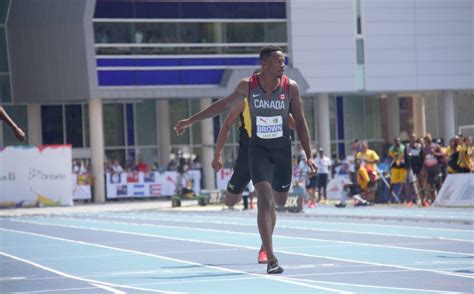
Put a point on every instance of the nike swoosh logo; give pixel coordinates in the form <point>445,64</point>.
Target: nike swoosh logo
<point>284,186</point>
<point>255,95</point>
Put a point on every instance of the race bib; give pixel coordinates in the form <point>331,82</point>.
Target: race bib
<point>269,127</point>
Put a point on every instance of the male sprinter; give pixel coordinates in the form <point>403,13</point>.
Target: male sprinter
<point>272,97</point>
<point>241,175</point>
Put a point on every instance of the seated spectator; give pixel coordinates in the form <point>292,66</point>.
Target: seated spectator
<point>366,186</point>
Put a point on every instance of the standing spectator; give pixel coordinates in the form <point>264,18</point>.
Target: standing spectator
<point>414,164</point>
<point>141,166</point>
<point>398,172</point>
<point>116,167</point>
<point>465,156</point>
<point>369,158</point>
<point>452,151</point>
<point>431,171</point>
<point>311,184</point>
<point>323,163</point>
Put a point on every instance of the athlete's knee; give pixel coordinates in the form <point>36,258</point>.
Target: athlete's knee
<point>280,198</point>
<point>232,199</point>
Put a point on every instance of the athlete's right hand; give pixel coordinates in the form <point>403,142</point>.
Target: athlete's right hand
<point>181,125</point>
<point>217,163</point>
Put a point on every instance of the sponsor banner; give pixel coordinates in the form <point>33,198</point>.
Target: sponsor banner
<point>335,187</point>
<point>457,190</point>
<point>140,184</point>
<point>36,176</point>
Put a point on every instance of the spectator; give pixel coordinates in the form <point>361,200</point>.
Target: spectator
<point>364,185</point>
<point>452,151</point>
<point>369,158</point>
<point>398,172</point>
<point>323,163</point>
<point>465,156</point>
<point>171,165</point>
<point>414,164</point>
<point>431,171</point>
<point>197,163</point>
<point>141,166</point>
<point>116,167</point>
<point>311,182</point>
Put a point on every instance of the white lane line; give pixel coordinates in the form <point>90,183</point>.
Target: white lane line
<point>68,275</point>
<point>269,277</point>
<point>233,233</point>
<point>375,287</point>
<point>7,279</point>
<point>172,217</point>
<point>280,225</point>
<point>107,288</point>
<point>256,248</point>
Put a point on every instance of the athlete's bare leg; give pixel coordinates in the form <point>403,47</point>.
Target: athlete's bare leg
<point>266,217</point>
<point>231,199</point>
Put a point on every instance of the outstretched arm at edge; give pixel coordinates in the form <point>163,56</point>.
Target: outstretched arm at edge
<point>301,125</point>
<point>16,130</point>
<point>224,133</point>
<point>215,108</point>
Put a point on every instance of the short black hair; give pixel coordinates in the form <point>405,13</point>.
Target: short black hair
<point>267,51</point>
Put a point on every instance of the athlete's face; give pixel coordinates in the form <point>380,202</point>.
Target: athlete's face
<point>275,63</point>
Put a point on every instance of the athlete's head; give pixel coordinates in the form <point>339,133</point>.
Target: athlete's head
<point>272,60</point>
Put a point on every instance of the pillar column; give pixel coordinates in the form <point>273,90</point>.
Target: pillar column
<point>324,124</point>
<point>393,117</point>
<point>419,116</point>
<point>163,131</point>
<point>34,132</point>
<point>449,125</point>
<point>207,139</point>
<point>97,149</point>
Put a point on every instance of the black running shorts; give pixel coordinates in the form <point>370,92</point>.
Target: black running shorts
<point>241,176</point>
<point>272,165</point>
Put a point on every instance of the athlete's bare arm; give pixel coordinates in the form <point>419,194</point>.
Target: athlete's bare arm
<point>215,108</point>
<point>291,122</point>
<point>300,122</point>
<point>224,132</point>
<point>16,130</point>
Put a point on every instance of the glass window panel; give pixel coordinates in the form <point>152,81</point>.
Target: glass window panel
<point>119,154</point>
<point>197,33</point>
<point>145,118</point>
<point>113,32</point>
<point>5,93</point>
<point>155,32</point>
<point>275,32</point>
<point>178,111</point>
<point>113,125</point>
<point>360,51</point>
<point>19,115</point>
<point>74,126</point>
<point>309,115</point>
<point>3,10</point>
<point>148,155</point>
<point>3,51</point>
<point>86,125</point>
<point>180,50</point>
<point>52,124</point>
<point>354,117</point>
<point>372,118</point>
<point>244,32</point>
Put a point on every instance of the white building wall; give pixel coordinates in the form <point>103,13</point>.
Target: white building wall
<point>418,44</point>
<point>322,43</point>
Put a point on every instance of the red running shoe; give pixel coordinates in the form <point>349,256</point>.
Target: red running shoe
<point>262,256</point>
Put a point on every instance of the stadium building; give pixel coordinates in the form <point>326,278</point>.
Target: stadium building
<point>111,77</point>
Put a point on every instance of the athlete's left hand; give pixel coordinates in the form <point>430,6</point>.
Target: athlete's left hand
<point>217,163</point>
<point>312,166</point>
<point>181,125</point>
